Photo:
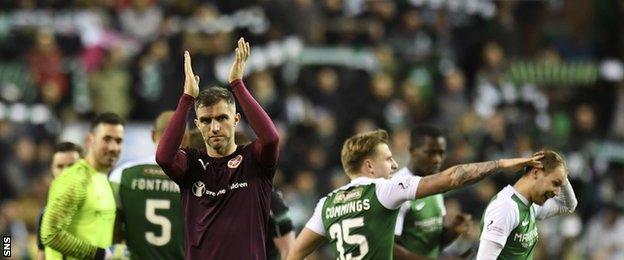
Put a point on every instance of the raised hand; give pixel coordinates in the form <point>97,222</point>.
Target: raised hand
<point>191,81</point>
<point>238,67</point>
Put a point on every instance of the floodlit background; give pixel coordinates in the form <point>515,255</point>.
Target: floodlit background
<point>502,78</point>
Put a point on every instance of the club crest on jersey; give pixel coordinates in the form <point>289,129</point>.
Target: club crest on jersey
<point>235,162</point>
<point>199,188</point>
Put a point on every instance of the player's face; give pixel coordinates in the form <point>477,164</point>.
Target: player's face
<point>429,157</point>
<point>216,124</point>
<point>106,143</point>
<point>382,164</point>
<point>62,160</point>
<point>548,185</point>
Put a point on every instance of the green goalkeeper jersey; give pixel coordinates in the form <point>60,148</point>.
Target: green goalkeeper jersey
<point>151,210</point>
<point>80,215</point>
<point>359,218</point>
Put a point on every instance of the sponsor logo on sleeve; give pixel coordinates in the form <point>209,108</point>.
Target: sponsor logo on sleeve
<point>235,162</point>
<point>495,229</point>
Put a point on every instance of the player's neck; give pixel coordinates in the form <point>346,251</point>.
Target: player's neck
<point>90,158</point>
<point>230,149</point>
<point>524,188</point>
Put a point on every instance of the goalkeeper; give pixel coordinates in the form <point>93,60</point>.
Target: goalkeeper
<point>80,215</point>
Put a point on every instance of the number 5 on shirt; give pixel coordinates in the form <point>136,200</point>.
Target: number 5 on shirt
<point>151,205</point>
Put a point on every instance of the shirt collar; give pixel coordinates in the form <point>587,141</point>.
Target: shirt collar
<point>522,198</point>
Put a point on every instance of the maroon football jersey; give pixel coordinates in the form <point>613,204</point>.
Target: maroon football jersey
<point>226,204</point>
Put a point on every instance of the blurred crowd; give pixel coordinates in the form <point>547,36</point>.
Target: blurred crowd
<point>502,78</point>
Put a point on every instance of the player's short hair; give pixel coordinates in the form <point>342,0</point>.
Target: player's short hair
<point>213,95</point>
<point>67,147</point>
<point>550,161</point>
<point>106,118</point>
<point>162,121</point>
<point>358,147</point>
<point>420,132</point>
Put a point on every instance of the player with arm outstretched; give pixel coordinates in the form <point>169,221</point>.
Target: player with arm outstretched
<point>225,188</point>
<point>508,226</point>
<point>359,218</point>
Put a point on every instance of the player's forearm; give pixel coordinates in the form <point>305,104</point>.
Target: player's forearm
<point>259,121</point>
<point>488,250</point>
<point>167,151</point>
<point>466,174</point>
<point>565,202</point>
<point>567,197</point>
<point>456,177</point>
<point>284,244</point>
<point>299,253</point>
<point>62,206</point>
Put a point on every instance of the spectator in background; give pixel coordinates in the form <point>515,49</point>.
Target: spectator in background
<point>11,225</point>
<point>45,60</point>
<point>453,101</point>
<point>604,237</point>
<point>65,155</point>
<point>110,85</point>
<point>141,20</point>
<point>153,72</point>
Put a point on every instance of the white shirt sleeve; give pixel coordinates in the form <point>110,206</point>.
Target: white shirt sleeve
<point>115,179</point>
<point>316,222</point>
<point>499,219</point>
<point>488,250</point>
<point>392,193</point>
<point>398,227</point>
<point>115,175</point>
<point>565,202</point>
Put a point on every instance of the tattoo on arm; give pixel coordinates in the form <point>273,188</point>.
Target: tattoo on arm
<point>470,173</point>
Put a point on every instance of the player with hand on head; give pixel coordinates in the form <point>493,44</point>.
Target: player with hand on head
<point>359,218</point>
<point>508,226</point>
<point>225,188</point>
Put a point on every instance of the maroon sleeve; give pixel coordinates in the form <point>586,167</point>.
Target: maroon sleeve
<point>266,148</point>
<point>168,154</point>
